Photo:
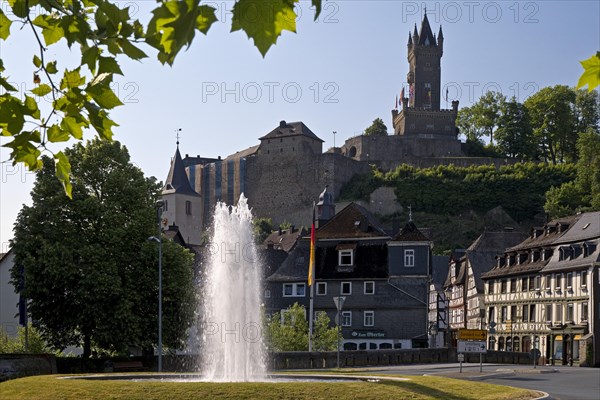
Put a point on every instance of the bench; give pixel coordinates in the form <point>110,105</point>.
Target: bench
<point>128,366</point>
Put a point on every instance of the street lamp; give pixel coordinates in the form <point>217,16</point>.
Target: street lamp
<point>339,303</point>
<point>159,207</point>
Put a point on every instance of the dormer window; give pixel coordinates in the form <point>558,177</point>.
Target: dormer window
<point>346,257</point>
<point>576,250</point>
<point>565,253</point>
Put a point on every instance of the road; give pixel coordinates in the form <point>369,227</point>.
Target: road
<point>560,382</point>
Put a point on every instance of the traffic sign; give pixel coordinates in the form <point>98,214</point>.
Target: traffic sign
<point>472,334</point>
<point>471,347</point>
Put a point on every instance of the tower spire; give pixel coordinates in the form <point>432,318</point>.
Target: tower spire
<point>177,136</point>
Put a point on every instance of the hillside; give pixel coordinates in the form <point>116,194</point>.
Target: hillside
<point>458,203</point>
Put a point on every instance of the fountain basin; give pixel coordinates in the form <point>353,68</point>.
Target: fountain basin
<point>194,377</point>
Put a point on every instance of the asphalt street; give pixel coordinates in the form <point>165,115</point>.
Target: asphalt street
<point>560,382</point>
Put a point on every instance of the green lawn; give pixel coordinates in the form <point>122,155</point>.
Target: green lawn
<point>417,387</point>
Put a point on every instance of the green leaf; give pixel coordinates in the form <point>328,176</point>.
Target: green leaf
<point>206,18</point>
<point>51,29</point>
<point>51,67</point>
<point>37,61</point>
<point>56,134</point>
<point>4,26</point>
<point>130,50</point>
<point>100,121</point>
<point>19,8</point>
<point>63,172</point>
<point>41,90</point>
<point>72,79</point>
<point>264,21</point>
<point>31,107</point>
<point>89,57</point>
<point>108,64</point>
<point>7,86</point>
<point>71,125</point>
<point>11,115</point>
<point>591,73</point>
<point>317,5</point>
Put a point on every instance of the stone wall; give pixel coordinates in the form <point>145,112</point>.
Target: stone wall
<point>19,365</point>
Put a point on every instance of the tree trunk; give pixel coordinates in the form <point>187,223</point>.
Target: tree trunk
<point>87,346</point>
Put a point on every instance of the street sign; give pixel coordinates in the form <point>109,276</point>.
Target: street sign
<point>472,334</point>
<point>471,347</point>
<point>461,357</point>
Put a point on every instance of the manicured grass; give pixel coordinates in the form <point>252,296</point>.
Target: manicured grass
<point>417,387</point>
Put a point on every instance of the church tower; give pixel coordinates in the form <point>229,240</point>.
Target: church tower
<point>420,113</point>
<point>325,207</point>
<point>182,204</point>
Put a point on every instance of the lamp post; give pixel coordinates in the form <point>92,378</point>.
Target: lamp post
<point>339,303</point>
<point>159,207</point>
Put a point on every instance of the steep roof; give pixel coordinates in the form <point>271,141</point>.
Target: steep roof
<point>550,234</point>
<point>177,180</point>
<point>284,239</point>
<point>295,266</point>
<point>353,221</point>
<point>439,269</point>
<point>410,233</point>
<point>291,129</point>
<point>426,35</point>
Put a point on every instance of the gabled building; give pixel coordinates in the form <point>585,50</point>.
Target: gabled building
<point>464,285</point>
<point>543,292</point>
<point>438,302</point>
<point>383,279</point>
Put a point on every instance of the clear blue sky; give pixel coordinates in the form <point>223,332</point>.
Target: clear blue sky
<point>336,74</point>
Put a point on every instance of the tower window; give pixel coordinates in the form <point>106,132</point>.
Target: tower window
<point>165,205</point>
<point>188,207</point>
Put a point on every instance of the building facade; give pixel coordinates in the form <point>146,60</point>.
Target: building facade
<point>383,279</point>
<point>543,292</point>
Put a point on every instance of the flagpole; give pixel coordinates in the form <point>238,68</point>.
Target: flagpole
<point>311,279</point>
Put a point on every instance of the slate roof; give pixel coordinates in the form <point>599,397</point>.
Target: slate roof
<point>177,180</point>
<point>291,129</point>
<point>545,239</point>
<point>586,226</point>
<point>284,239</point>
<point>426,33</point>
<point>439,269</point>
<point>410,233</point>
<point>353,221</point>
<point>295,266</point>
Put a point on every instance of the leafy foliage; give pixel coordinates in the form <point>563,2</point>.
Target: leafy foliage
<point>288,331</point>
<point>16,344</point>
<point>262,229</point>
<point>377,128</point>
<point>104,32</point>
<point>591,73</point>
<point>451,190</point>
<point>90,272</point>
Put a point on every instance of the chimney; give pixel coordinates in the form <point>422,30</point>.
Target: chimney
<point>282,123</point>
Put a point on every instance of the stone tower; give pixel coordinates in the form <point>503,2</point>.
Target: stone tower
<point>182,204</point>
<point>420,112</point>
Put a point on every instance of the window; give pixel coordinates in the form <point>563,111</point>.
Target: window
<point>345,257</point>
<point>321,288</point>
<point>491,287</point>
<point>525,312</point>
<point>559,312</point>
<point>538,282</point>
<point>346,318</point>
<point>369,318</point>
<point>503,284</point>
<point>409,258</point>
<point>346,288</point>
<point>524,282</point>
<point>513,313</point>
<point>548,312</point>
<point>188,207</point>
<point>570,312</point>
<point>491,314</point>
<point>369,287</point>
<point>532,313</point>
<point>267,293</point>
<point>558,283</point>
<point>532,283</point>
<point>583,281</point>
<point>569,280</point>
<point>584,311</point>
<point>513,285</point>
<point>294,289</point>
<point>165,205</point>
<point>503,314</point>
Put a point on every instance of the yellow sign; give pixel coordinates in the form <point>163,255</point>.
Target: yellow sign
<point>472,334</point>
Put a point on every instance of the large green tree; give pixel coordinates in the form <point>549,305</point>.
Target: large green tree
<point>582,194</point>
<point>377,128</point>
<point>102,32</point>
<point>514,136</point>
<point>90,273</point>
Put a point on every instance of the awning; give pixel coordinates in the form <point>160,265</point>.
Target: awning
<point>558,337</point>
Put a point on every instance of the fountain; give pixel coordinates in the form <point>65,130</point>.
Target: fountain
<point>232,345</point>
